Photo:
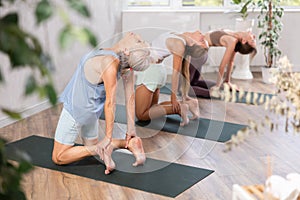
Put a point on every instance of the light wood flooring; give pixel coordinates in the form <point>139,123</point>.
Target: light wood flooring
<point>245,165</point>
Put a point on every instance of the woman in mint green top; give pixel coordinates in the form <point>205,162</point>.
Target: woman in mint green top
<point>182,46</point>
<point>91,91</point>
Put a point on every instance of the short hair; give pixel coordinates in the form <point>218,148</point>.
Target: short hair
<point>195,51</point>
<point>138,60</point>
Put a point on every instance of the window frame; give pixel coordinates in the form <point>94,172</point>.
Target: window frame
<point>177,5</point>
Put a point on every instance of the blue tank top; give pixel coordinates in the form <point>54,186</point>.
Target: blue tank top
<point>82,99</point>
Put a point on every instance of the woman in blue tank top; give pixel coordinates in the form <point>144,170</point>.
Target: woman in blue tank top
<point>91,91</point>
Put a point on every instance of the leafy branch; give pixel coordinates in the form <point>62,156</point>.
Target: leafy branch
<point>284,104</point>
<point>24,50</point>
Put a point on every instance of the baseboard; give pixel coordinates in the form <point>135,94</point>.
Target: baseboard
<point>5,121</point>
<point>253,68</point>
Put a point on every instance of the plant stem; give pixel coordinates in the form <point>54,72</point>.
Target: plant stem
<point>270,26</point>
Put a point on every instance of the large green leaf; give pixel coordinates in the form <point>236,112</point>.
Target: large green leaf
<point>16,44</point>
<point>43,11</point>
<point>65,37</point>
<point>12,114</point>
<point>236,1</point>
<point>51,94</point>
<point>24,167</point>
<point>91,37</point>
<point>11,18</point>
<point>31,85</point>
<point>80,7</point>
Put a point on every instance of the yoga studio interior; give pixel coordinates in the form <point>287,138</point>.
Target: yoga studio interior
<point>81,62</point>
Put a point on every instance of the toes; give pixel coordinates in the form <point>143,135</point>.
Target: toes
<point>107,171</point>
<point>140,160</point>
<point>184,123</point>
<point>136,147</point>
<point>194,117</point>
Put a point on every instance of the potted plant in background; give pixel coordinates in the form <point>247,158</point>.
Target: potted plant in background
<point>245,5</point>
<point>269,21</point>
<point>243,23</point>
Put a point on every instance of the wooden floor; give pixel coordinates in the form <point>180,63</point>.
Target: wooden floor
<point>245,165</point>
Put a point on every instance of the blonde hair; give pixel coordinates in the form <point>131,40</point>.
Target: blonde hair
<point>138,60</point>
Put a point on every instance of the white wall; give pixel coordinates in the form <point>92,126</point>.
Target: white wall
<point>108,20</point>
<point>105,22</point>
<point>207,20</point>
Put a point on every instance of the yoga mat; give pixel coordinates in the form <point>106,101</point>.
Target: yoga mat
<point>202,128</point>
<point>167,90</point>
<point>170,179</point>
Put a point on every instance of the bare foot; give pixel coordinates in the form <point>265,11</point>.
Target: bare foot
<point>184,108</point>
<point>194,108</point>
<point>105,155</point>
<point>109,163</point>
<point>136,147</point>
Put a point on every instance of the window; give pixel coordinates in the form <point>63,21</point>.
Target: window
<point>183,3</point>
<point>148,2</point>
<point>291,3</point>
<point>194,3</point>
<point>202,2</point>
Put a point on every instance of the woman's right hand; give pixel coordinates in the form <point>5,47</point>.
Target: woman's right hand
<point>102,145</point>
<point>104,149</point>
<point>175,104</point>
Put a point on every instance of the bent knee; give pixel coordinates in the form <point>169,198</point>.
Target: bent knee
<point>58,152</point>
<point>142,116</point>
<point>56,158</point>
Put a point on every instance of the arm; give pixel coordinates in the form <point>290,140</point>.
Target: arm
<point>227,60</point>
<point>230,67</point>
<point>128,82</point>
<point>177,65</point>
<point>185,86</point>
<point>177,48</point>
<point>109,77</point>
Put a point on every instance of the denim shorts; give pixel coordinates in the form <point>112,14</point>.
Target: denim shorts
<point>68,129</point>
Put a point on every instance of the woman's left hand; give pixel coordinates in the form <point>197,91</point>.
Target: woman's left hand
<point>175,105</point>
<point>128,138</point>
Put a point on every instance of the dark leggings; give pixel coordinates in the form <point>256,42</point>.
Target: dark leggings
<point>199,88</point>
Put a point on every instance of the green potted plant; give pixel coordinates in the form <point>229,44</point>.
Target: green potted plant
<point>245,5</point>
<point>269,22</point>
<point>11,174</point>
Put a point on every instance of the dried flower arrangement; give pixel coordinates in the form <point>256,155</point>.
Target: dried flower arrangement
<point>285,103</point>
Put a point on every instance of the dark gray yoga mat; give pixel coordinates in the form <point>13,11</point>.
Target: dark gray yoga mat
<point>167,90</point>
<point>170,179</point>
<point>202,128</point>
